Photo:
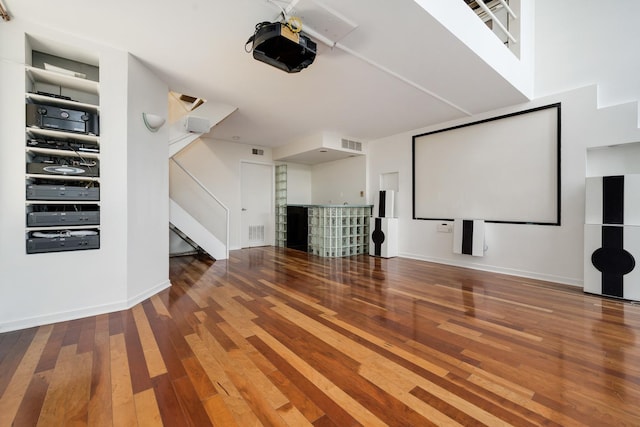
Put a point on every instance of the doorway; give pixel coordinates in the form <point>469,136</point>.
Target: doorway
<point>256,187</point>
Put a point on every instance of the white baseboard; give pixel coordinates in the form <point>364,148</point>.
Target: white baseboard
<point>493,269</point>
<point>148,293</point>
<point>29,322</point>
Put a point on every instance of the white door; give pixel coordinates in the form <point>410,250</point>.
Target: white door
<point>256,186</point>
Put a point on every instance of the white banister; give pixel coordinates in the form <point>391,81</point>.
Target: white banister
<point>488,11</point>
<point>509,10</point>
<point>210,194</point>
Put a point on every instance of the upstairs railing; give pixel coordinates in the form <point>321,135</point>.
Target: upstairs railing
<point>502,17</point>
<point>195,198</point>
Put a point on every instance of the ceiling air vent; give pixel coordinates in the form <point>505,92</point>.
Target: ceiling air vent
<point>257,152</point>
<point>351,145</point>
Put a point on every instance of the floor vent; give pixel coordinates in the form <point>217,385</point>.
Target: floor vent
<point>351,145</point>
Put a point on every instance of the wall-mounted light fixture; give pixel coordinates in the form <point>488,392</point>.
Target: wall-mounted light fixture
<point>153,122</point>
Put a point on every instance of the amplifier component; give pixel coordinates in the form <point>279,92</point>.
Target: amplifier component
<point>62,192</point>
<point>63,218</point>
<point>66,144</point>
<point>40,242</point>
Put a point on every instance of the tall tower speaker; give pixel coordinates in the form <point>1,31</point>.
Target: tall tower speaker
<point>612,236</point>
<point>386,204</point>
<point>383,241</point>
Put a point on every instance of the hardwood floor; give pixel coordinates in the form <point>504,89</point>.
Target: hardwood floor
<point>278,337</point>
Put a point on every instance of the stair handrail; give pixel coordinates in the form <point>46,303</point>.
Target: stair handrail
<point>213,196</point>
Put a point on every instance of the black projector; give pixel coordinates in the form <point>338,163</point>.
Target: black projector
<point>277,45</point>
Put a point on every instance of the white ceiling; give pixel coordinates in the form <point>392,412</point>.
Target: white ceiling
<point>398,70</point>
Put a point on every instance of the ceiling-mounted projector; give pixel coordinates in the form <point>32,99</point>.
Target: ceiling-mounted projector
<point>277,44</point>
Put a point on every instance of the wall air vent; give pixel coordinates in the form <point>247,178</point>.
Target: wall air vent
<point>351,145</point>
<point>257,151</point>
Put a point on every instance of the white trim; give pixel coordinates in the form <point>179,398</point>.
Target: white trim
<point>148,293</point>
<point>501,270</point>
<point>96,310</point>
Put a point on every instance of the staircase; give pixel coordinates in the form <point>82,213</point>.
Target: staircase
<point>197,235</point>
<point>195,213</point>
<point>195,249</point>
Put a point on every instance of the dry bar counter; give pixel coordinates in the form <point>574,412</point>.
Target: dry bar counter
<point>329,230</point>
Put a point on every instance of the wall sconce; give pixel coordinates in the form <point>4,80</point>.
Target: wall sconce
<point>153,122</point>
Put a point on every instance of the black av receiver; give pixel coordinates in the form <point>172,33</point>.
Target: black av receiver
<point>62,119</point>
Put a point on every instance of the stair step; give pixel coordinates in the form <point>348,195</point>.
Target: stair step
<point>198,250</point>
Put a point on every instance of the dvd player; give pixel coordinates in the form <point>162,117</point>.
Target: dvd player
<point>46,219</point>
<point>42,242</point>
<point>62,192</point>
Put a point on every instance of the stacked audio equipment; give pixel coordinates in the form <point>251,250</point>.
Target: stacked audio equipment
<point>383,240</point>
<point>612,236</point>
<point>62,168</point>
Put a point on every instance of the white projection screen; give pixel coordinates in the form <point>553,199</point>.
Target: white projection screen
<point>503,169</point>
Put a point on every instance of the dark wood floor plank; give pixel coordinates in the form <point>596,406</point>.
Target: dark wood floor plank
<point>87,335</point>
<point>50,354</point>
<point>14,348</point>
<point>100,401</point>
<point>140,379</point>
<point>303,403</point>
<point>12,396</point>
<point>190,402</point>
<point>168,403</point>
<point>200,381</point>
<point>31,405</point>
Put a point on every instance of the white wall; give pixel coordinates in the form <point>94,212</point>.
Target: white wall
<point>217,165</point>
<point>340,181</point>
<point>45,288</point>
<point>580,43</point>
<point>576,44</point>
<point>147,184</point>
<point>298,184</point>
<point>614,160</point>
